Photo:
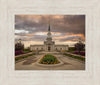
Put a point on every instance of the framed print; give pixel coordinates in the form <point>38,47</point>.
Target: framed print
<point>44,42</point>
<point>49,42</point>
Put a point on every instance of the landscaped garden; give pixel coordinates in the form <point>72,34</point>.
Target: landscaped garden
<point>76,57</point>
<point>49,59</point>
<point>79,49</point>
<point>22,57</point>
<point>19,48</point>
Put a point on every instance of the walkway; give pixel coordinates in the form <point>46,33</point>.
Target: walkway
<point>69,63</point>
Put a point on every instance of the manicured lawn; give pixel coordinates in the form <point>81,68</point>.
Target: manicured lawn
<point>76,57</point>
<point>22,57</point>
<point>49,59</point>
<point>25,51</point>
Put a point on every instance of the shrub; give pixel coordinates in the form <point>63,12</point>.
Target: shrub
<point>79,46</point>
<point>19,46</point>
<point>81,52</point>
<point>71,48</point>
<point>18,52</point>
<point>76,52</point>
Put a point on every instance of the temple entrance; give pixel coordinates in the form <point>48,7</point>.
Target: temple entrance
<point>49,48</point>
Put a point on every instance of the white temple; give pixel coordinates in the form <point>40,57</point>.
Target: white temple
<point>49,45</point>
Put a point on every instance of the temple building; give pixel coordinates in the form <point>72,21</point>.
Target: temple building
<point>49,44</point>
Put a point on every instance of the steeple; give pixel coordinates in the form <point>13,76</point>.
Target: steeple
<point>49,33</point>
<point>49,28</point>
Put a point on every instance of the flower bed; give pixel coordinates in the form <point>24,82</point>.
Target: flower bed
<point>18,52</point>
<point>49,59</point>
<point>81,53</point>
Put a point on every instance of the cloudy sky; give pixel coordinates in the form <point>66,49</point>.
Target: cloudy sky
<point>65,29</point>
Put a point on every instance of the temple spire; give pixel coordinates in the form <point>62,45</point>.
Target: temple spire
<point>49,33</point>
<point>49,26</point>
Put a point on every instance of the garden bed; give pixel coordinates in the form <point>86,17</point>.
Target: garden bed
<point>23,56</point>
<point>79,53</point>
<point>49,59</point>
<point>76,57</point>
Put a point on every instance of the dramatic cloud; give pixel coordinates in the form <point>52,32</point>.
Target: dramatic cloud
<point>63,27</point>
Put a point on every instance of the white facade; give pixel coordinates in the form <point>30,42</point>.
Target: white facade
<point>49,45</point>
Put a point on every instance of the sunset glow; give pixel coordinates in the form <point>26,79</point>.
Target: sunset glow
<point>65,29</point>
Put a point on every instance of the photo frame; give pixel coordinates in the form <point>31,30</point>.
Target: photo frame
<point>9,76</point>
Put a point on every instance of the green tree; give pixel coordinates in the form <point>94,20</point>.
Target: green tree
<point>79,46</point>
<point>19,46</point>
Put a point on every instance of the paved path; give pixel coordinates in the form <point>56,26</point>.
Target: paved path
<point>69,63</point>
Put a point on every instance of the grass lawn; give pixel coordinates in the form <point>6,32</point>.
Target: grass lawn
<point>26,51</point>
<point>76,57</point>
<point>49,59</point>
<point>22,57</point>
